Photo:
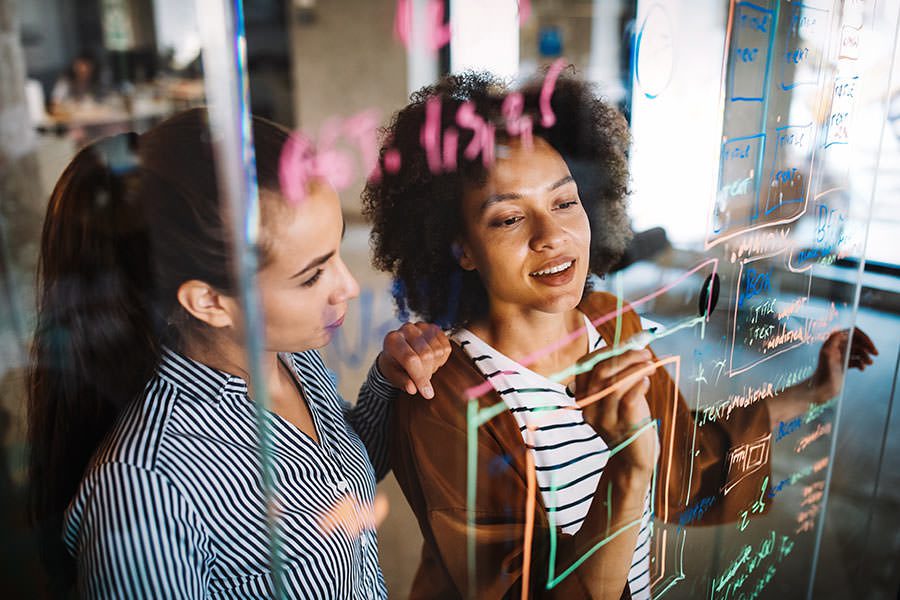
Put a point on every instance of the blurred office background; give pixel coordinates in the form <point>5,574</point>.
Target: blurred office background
<point>74,71</point>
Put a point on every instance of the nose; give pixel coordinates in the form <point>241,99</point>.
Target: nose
<point>347,288</point>
<point>546,232</point>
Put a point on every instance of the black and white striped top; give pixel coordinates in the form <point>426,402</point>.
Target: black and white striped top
<point>569,454</point>
<point>172,504</point>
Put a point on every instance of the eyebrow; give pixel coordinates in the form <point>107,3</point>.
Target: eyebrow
<point>494,198</point>
<point>312,264</point>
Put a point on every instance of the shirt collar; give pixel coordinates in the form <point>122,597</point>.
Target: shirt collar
<point>196,378</point>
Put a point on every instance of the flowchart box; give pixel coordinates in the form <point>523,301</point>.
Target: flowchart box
<point>765,321</point>
<point>737,196</point>
<point>806,38</point>
<point>788,181</point>
<point>750,55</point>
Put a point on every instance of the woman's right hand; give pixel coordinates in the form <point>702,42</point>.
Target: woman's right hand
<point>411,355</point>
<point>622,410</point>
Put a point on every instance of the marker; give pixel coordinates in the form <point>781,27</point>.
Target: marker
<point>640,340</point>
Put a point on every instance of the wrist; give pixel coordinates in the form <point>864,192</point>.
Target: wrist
<point>632,478</point>
<point>379,368</point>
<point>379,364</point>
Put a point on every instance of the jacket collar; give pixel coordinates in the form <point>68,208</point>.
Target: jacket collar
<point>197,379</point>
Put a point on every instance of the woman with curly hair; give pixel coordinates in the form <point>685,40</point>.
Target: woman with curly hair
<point>525,480</point>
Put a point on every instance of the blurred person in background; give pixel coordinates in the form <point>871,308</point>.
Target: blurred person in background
<point>77,87</point>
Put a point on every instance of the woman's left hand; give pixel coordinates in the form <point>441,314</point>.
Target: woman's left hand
<point>410,356</point>
<point>828,378</point>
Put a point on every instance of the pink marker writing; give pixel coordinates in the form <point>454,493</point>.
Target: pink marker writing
<point>430,135</point>
<point>516,124</point>
<point>329,157</point>
<point>437,34</point>
<point>483,133</point>
<point>548,118</point>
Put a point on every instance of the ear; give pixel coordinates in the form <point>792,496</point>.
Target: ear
<point>463,255</point>
<point>206,304</point>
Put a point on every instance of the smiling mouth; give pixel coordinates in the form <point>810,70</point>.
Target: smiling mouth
<point>336,324</point>
<point>554,270</point>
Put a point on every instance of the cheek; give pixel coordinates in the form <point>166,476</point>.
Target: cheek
<point>291,310</point>
<point>583,231</point>
<point>502,253</point>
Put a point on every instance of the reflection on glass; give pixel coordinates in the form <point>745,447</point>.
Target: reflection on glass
<point>746,194</point>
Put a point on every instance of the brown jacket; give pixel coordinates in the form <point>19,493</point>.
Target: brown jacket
<point>430,461</point>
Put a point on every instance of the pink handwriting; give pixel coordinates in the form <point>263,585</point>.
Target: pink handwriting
<point>430,136</point>
<point>329,158</point>
<point>516,124</point>
<point>548,118</point>
<point>483,133</point>
<point>437,34</point>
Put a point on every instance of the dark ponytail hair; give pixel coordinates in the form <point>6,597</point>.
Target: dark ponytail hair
<point>130,219</point>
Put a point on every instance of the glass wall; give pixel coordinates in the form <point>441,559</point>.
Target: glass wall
<point>756,257</point>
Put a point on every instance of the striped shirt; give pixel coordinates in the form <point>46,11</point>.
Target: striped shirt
<point>172,504</point>
<point>569,455</point>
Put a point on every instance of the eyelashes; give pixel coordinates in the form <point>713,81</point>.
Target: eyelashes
<point>508,222</point>
<point>312,280</point>
<point>512,220</point>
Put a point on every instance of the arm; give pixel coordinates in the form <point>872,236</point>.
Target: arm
<point>693,461</point>
<point>746,428</point>
<point>409,357</point>
<point>370,418</point>
<point>139,538</point>
<point>828,379</point>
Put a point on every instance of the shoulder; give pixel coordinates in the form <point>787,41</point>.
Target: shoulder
<point>599,306</point>
<point>453,386</point>
<point>96,516</point>
<point>142,428</point>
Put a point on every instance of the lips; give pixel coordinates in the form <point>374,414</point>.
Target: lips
<point>336,324</point>
<point>559,271</point>
<point>554,267</point>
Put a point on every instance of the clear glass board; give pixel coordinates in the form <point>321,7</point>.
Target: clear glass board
<point>737,163</point>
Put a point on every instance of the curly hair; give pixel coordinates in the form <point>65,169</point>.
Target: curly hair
<point>416,213</point>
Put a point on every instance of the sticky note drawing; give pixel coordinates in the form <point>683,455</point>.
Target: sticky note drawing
<point>745,460</point>
<point>791,168</point>
<point>753,33</point>
<point>765,323</point>
<point>739,183</point>
<point>805,41</point>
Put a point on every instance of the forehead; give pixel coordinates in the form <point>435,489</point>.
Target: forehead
<point>301,230</point>
<point>519,167</point>
<point>518,171</point>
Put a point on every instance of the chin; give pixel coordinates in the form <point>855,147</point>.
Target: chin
<point>320,341</point>
<point>561,303</point>
<point>564,300</point>
<point>327,336</point>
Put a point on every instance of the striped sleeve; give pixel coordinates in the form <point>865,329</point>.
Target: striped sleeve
<point>371,419</point>
<point>139,538</point>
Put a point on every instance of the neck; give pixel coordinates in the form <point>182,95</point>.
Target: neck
<point>230,357</point>
<point>518,334</point>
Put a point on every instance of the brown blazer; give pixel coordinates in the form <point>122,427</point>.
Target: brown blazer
<point>430,461</point>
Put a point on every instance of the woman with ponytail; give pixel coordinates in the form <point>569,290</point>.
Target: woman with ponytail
<point>145,454</point>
